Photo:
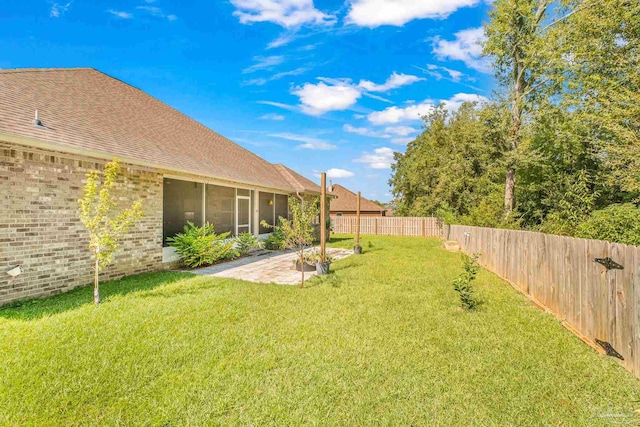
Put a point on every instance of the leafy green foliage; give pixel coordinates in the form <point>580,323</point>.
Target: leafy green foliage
<point>566,124</point>
<point>198,246</point>
<point>455,166</point>
<point>275,241</point>
<point>463,284</point>
<point>105,226</point>
<point>615,223</point>
<point>245,242</point>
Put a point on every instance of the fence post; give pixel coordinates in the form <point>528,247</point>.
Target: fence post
<point>402,227</point>
<point>423,227</point>
<point>376,226</point>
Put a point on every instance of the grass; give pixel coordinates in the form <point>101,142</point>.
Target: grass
<point>378,342</point>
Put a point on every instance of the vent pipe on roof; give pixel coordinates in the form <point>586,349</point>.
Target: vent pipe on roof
<point>37,121</point>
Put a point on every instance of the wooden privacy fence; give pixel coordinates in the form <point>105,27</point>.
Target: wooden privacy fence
<point>561,274</point>
<point>388,226</point>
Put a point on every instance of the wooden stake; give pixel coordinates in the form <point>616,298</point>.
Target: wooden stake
<point>323,216</point>
<point>358,220</point>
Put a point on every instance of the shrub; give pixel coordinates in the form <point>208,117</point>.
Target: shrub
<point>245,242</point>
<point>463,284</point>
<point>200,246</point>
<point>615,223</point>
<point>275,241</point>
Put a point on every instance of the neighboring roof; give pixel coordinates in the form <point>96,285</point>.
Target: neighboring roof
<point>346,201</point>
<point>299,182</point>
<point>82,108</point>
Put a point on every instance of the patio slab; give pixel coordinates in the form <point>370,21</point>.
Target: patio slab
<point>271,267</point>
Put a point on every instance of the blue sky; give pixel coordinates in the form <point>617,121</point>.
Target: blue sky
<point>320,85</point>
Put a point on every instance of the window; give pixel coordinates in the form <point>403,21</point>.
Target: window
<point>221,208</point>
<point>282,206</point>
<point>182,202</point>
<point>265,211</point>
<point>270,207</point>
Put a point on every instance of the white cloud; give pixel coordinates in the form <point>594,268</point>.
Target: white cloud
<point>59,9</point>
<point>401,141</point>
<point>264,63</point>
<point>156,11</point>
<point>400,130</point>
<point>308,142</point>
<point>279,105</point>
<point>415,112</point>
<point>272,116</point>
<point>363,131</point>
<point>317,99</point>
<point>372,176</point>
<point>286,13</point>
<point>373,13</point>
<point>264,80</point>
<point>466,47</point>
<point>396,114</point>
<point>121,14</point>
<point>458,99</point>
<point>381,158</point>
<point>394,81</point>
<point>397,134</point>
<point>334,173</point>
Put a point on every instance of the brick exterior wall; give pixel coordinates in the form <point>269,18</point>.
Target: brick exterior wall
<point>40,229</point>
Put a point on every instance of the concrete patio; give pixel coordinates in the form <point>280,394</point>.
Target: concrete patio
<point>266,267</point>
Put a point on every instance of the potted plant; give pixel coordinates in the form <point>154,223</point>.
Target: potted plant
<point>320,264</point>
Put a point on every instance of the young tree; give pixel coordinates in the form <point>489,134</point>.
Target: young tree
<point>298,231</point>
<point>105,226</point>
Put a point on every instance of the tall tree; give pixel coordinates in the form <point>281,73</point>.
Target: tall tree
<point>514,35</point>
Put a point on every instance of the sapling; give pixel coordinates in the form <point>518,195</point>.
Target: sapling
<point>105,226</point>
<point>463,284</point>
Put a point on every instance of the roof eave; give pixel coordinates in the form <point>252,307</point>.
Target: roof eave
<point>65,148</point>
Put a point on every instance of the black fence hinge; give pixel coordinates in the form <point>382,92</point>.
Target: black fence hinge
<point>609,349</point>
<point>609,263</point>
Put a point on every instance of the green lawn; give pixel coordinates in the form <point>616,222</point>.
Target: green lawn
<point>379,342</point>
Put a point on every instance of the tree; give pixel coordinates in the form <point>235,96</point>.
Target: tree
<point>594,78</point>
<point>455,167</point>
<point>105,226</point>
<point>514,42</point>
<point>298,232</point>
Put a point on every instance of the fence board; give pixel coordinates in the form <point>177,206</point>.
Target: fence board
<point>560,273</point>
<point>388,226</point>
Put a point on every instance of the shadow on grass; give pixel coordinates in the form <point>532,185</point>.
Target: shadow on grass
<point>339,239</point>
<point>37,308</point>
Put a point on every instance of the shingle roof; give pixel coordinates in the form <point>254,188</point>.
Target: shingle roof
<point>299,182</point>
<point>87,109</point>
<point>346,201</point>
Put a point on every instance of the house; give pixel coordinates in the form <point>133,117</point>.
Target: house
<point>58,124</point>
<point>344,203</point>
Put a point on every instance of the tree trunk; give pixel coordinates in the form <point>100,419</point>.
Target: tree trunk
<point>302,266</point>
<point>96,290</point>
<point>509,192</point>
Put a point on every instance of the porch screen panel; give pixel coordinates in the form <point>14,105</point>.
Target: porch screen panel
<point>221,208</point>
<point>265,211</point>
<point>282,208</point>
<point>181,202</point>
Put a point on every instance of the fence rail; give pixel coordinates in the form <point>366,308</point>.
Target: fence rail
<point>561,274</point>
<point>388,226</point>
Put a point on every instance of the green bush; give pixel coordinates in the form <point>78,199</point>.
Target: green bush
<point>200,246</point>
<point>618,223</point>
<point>245,242</point>
<point>463,284</point>
<point>275,241</point>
